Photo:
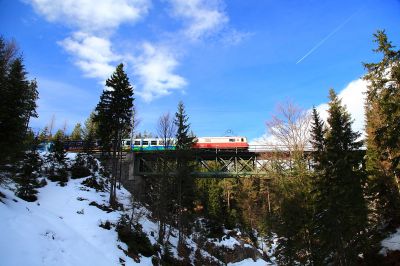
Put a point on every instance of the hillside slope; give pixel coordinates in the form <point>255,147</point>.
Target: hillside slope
<point>62,228</point>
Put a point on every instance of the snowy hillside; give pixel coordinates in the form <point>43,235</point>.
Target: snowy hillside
<point>62,228</point>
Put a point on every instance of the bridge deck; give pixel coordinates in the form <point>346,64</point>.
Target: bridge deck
<point>207,163</point>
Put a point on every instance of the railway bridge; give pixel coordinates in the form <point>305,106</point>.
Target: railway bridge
<point>254,162</point>
<point>211,163</point>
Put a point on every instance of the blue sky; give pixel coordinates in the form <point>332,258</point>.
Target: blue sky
<point>230,62</point>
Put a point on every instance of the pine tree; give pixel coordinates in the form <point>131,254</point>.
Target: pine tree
<point>184,179</point>
<point>114,113</point>
<point>77,132</point>
<point>318,131</point>
<point>215,208</point>
<point>17,102</point>
<point>340,206</point>
<point>382,110</point>
<point>44,135</point>
<point>184,140</point>
<point>28,173</point>
<point>103,118</point>
<point>89,134</point>
<point>292,218</point>
<point>56,160</point>
<point>8,53</point>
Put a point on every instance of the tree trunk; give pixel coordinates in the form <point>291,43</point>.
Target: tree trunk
<point>120,163</point>
<point>113,173</point>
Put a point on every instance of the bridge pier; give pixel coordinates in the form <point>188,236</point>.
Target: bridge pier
<point>132,182</point>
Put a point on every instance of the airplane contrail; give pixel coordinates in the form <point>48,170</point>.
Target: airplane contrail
<point>326,38</point>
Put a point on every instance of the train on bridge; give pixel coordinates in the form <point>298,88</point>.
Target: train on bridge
<point>159,144</point>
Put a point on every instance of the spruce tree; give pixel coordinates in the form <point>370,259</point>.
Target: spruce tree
<point>18,98</point>
<point>184,179</point>
<point>44,135</point>
<point>184,140</point>
<point>77,132</point>
<point>28,172</point>
<point>89,134</point>
<point>103,118</point>
<point>56,160</point>
<point>17,102</point>
<point>114,113</point>
<point>31,96</point>
<point>318,131</point>
<point>382,110</point>
<point>341,212</point>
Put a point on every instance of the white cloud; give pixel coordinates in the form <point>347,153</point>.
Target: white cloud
<point>92,54</point>
<point>95,21</point>
<point>155,68</point>
<point>93,18</point>
<point>234,37</point>
<point>203,18</point>
<point>353,97</point>
<point>92,15</point>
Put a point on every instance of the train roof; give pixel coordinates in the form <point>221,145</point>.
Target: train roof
<point>226,137</point>
<point>207,137</point>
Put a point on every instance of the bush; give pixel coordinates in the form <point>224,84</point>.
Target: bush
<point>59,175</point>
<point>28,197</point>
<point>27,176</point>
<point>106,225</point>
<point>155,261</point>
<point>101,207</point>
<point>215,230</point>
<point>78,171</point>
<point>91,163</point>
<point>82,165</point>
<point>136,240</point>
<point>92,182</point>
<point>42,183</point>
<point>167,258</point>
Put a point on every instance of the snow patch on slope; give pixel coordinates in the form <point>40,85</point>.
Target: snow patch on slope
<point>59,229</point>
<point>391,243</point>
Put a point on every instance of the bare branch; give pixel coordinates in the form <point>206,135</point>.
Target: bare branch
<point>290,126</point>
<point>166,129</point>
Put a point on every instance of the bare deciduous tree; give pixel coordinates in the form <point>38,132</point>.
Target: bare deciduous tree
<point>163,185</point>
<point>290,126</point>
<point>166,129</point>
<point>51,125</point>
<point>10,52</point>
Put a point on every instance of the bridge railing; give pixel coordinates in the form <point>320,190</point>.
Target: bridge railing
<point>258,148</point>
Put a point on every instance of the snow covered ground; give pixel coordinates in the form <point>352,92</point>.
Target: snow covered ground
<point>391,243</point>
<point>259,262</point>
<point>61,228</point>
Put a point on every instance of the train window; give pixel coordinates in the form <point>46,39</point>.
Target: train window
<point>161,142</point>
<point>231,140</point>
<point>153,142</point>
<point>128,142</point>
<point>242,140</point>
<point>145,142</point>
<point>137,143</point>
